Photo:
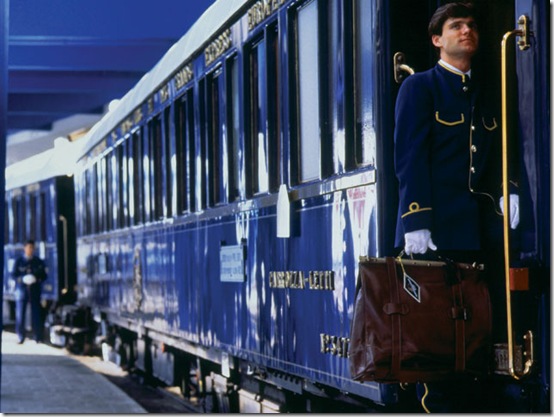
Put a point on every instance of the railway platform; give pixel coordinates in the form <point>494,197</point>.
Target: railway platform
<point>37,378</point>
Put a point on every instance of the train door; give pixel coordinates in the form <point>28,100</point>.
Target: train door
<point>402,47</point>
<point>525,89</point>
<point>519,83</point>
<point>408,50</point>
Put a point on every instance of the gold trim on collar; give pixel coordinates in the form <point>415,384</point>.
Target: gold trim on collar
<point>461,74</point>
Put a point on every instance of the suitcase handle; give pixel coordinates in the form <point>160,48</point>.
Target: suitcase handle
<point>451,271</point>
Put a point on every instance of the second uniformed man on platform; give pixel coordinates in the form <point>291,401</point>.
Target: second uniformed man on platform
<point>29,272</point>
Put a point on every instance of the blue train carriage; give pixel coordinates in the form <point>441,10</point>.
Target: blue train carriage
<point>40,206</point>
<point>222,206</point>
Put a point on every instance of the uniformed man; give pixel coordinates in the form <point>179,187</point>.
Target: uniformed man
<point>29,272</point>
<point>447,160</point>
<point>445,132</point>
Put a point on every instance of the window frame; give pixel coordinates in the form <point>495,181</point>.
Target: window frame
<point>262,162</point>
<point>326,145</point>
<point>185,143</point>
<point>233,131</point>
<point>357,73</point>
<point>214,120</point>
<point>156,171</point>
<point>33,216</point>
<point>135,175</point>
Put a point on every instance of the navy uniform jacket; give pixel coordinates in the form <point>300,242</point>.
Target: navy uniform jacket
<point>24,266</point>
<point>444,137</point>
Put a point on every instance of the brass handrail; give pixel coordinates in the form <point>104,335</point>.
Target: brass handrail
<point>399,66</point>
<point>524,33</point>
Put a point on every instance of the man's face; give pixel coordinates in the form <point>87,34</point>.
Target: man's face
<point>29,250</point>
<point>459,39</point>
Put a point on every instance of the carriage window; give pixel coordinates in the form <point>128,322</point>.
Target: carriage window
<point>364,137</point>
<point>88,201</point>
<point>169,165</point>
<point>6,223</point>
<point>122,185</point>
<point>201,167</point>
<point>156,150</point>
<point>255,146</point>
<point>16,208</point>
<point>233,131</point>
<point>33,216</point>
<point>81,218</point>
<point>21,216</point>
<point>273,107</point>
<point>42,224</point>
<point>214,137</point>
<point>23,223</point>
<point>136,205</point>
<point>108,191</point>
<point>96,212</point>
<point>24,216</point>
<point>145,204</point>
<point>105,193</point>
<point>91,198</point>
<point>97,186</point>
<point>333,150</point>
<point>308,93</point>
<point>262,142</point>
<point>116,188</point>
<point>185,150</point>
<point>101,194</point>
<point>180,153</point>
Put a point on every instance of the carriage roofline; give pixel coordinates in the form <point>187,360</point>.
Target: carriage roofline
<point>62,160</point>
<point>196,37</point>
<point>54,162</point>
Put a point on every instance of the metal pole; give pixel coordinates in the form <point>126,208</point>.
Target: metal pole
<point>4,34</point>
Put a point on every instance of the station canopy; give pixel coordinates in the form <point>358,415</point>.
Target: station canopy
<point>68,59</point>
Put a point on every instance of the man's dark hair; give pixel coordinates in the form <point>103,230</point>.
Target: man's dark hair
<point>448,11</point>
<point>29,242</point>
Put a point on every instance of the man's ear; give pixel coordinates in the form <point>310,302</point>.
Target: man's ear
<point>437,41</point>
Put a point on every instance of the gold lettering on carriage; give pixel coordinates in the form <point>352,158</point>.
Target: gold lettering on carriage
<point>184,75</point>
<point>334,345</point>
<point>163,93</point>
<point>137,116</point>
<point>31,188</point>
<point>261,11</point>
<point>215,49</point>
<point>126,126</point>
<point>312,280</point>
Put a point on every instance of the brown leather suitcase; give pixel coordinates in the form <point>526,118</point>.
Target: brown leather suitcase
<point>419,321</point>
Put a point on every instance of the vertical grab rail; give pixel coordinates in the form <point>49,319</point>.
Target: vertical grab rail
<point>524,33</point>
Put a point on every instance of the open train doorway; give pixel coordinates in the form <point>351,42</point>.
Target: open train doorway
<point>513,64</point>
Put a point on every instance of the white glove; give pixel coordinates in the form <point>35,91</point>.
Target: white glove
<point>418,241</point>
<point>514,209</point>
<point>29,279</point>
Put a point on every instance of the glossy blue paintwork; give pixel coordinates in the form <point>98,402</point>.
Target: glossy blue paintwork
<point>164,275</point>
<point>179,290</point>
<point>280,328</point>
